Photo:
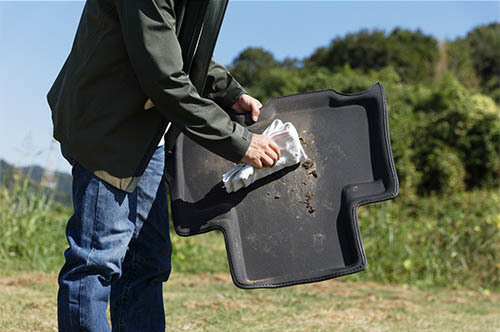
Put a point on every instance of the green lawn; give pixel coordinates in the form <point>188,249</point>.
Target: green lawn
<point>452,243</point>
<point>210,302</point>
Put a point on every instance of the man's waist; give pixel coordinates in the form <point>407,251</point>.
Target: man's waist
<point>118,158</point>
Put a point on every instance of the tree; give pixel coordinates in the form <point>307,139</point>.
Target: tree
<point>413,54</point>
<point>364,50</point>
<point>484,42</point>
<point>459,62</point>
<point>252,65</point>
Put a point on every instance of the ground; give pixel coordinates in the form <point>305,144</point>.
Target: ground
<point>210,302</point>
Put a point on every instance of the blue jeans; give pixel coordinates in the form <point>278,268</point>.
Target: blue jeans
<point>119,252</point>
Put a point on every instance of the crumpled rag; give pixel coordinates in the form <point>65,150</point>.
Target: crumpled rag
<point>287,139</point>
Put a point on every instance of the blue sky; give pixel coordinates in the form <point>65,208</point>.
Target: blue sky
<point>36,36</point>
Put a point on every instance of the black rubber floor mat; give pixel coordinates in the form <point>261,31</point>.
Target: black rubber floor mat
<point>300,224</point>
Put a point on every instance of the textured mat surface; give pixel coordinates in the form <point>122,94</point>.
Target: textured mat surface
<point>300,224</point>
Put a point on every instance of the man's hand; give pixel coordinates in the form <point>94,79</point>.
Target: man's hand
<point>262,152</point>
<point>248,103</point>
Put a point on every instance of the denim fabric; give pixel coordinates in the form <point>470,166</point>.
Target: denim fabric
<point>119,252</point>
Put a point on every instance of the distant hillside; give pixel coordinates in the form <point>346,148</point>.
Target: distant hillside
<point>62,190</point>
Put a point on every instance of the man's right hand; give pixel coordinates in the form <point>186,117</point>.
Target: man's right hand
<point>262,152</point>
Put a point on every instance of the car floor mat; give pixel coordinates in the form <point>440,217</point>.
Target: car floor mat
<point>297,225</point>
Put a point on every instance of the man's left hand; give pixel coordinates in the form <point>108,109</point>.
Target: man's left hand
<point>248,103</point>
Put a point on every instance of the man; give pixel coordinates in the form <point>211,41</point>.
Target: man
<point>125,52</point>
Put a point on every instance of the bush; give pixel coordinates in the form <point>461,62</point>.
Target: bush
<point>443,171</point>
<point>412,54</point>
<point>252,65</point>
<point>452,242</point>
<point>460,123</point>
<point>484,44</point>
<point>442,135</point>
<point>459,62</point>
<point>482,160</point>
<point>32,230</point>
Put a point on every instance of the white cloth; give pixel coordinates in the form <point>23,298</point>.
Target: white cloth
<point>286,137</point>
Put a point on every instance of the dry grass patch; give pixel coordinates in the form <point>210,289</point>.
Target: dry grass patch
<point>210,302</point>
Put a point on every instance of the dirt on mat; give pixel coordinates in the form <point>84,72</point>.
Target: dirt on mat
<point>310,171</point>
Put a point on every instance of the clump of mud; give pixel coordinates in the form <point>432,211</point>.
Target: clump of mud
<point>310,172</point>
<point>310,168</point>
<point>308,196</point>
<point>308,144</point>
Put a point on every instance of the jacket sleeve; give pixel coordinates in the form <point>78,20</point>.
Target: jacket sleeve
<point>148,29</point>
<point>221,86</point>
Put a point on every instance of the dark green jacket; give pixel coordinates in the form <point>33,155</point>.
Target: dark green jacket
<point>124,52</point>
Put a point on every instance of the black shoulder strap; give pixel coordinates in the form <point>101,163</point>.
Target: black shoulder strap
<point>200,29</point>
<point>212,23</point>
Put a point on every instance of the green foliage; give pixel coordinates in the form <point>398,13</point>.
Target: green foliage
<point>475,59</point>
<point>204,253</point>
<point>281,81</point>
<point>484,44</point>
<point>442,230</point>
<point>31,229</point>
<point>456,129</point>
<point>482,159</point>
<point>453,242</point>
<point>33,177</point>
<point>365,50</point>
<point>252,65</point>
<point>444,137</point>
<point>442,172</point>
<point>278,82</point>
<point>416,57</point>
<point>413,54</point>
<point>459,61</point>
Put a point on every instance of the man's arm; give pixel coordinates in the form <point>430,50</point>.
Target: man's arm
<point>227,92</point>
<point>148,28</point>
<point>221,86</point>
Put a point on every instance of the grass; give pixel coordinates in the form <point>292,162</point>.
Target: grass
<point>412,247</point>
<point>32,230</point>
<point>428,242</point>
<point>451,241</point>
<point>210,302</point>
